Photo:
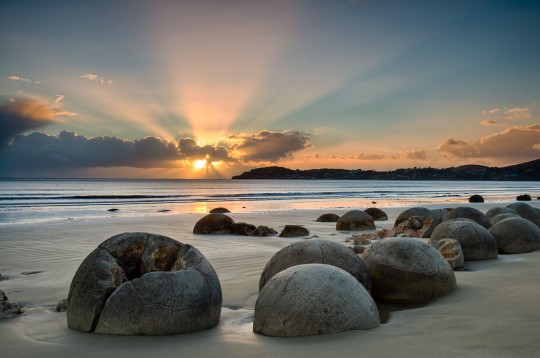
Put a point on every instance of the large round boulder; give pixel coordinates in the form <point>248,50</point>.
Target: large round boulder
<point>355,220</point>
<point>377,214</point>
<point>476,241</point>
<point>144,284</point>
<point>495,219</point>
<point>407,270</point>
<point>214,224</point>
<point>328,218</point>
<point>465,212</point>
<point>316,251</point>
<point>311,299</point>
<point>527,212</point>
<point>516,235</point>
<point>499,210</point>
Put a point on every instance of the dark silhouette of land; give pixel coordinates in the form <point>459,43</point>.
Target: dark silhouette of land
<point>524,171</point>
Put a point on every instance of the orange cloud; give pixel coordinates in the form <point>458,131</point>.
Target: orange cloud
<point>517,143</point>
<point>416,154</point>
<point>509,114</point>
<point>363,156</point>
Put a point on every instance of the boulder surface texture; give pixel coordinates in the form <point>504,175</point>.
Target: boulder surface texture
<point>144,284</point>
<point>311,299</point>
<point>516,235</point>
<point>407,270</point>
<point>355,220</point>
<point>465,212</point>
<point>316,252</point>
<point>476,241</point>
<point>527,212</point>
<point>451,250</point>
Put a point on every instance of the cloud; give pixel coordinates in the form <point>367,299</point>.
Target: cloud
<point>509,114</point>
<point>39,151</point>
<point>97,78</point>
<point>23,114</point>
<point>19,78</point>
<point>59,98</point>
<point>363,156</point>
<point>516,142</point>
<point>267,145</point>
<point>416,154</point>
<point>490,123</point>
<point>189,149</point>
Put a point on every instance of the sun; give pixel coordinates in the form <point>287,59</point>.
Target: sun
<point>200,164</point>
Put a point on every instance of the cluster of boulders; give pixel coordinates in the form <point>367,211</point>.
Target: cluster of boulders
<point>314,287</point>
<point>217,223</point>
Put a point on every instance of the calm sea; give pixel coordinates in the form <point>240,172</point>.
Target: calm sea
<point>24,201</point>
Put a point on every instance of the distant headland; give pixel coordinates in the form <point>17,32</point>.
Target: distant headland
<point>524,171</point>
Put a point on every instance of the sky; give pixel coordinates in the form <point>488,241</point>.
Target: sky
<point>209,89</point>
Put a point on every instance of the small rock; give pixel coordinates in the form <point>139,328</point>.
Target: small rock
<point>163,211</point>
<point>27,273</point>
<point>262,230</point>
<point>62,305</point>
<point>8,308</point>
<point>358,249</point>
<point>113,209</point>
<point>220,210</point>
<point>524,197</point>
<point>476,199</point>
<point>451,250</point>
<point>294,231</point>
<point>243,229</point>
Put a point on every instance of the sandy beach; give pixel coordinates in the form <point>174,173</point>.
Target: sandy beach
<point>493,313</point>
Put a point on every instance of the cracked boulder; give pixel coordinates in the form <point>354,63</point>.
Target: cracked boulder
<point>312,299</point>
<point>406,270</point>
<point>476,241</point>
<point>355,220</point>
<point>516,235</point>
<point>436,216</point>
<point>144,284</point>
<point>465,212</point>
<point>451,250</point>
<point>316,251</point>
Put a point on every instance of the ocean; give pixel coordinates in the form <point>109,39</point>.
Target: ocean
<point>37,200</point>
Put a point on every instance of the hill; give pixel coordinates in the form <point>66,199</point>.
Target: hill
<point>524,171</point>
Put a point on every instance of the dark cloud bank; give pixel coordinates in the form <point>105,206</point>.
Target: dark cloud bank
<point>38,152</point>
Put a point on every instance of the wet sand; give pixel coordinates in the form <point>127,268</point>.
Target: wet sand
<point>493,313</point>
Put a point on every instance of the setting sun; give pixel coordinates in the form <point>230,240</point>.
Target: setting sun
<point>200,164</point>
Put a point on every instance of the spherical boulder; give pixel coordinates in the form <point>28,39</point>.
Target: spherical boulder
<point>516,235</point>
<point>214,224</point>
<point>436,216</point>
<point>476,241</point>
<point>313,252</point>
<point>311,299</point>
<point>406,270</point>
<point>377,214</point>
<point>499,210</point>
<point>144,284</point>
<point>451,250</point>
<point>355,220</point>
<point>219,210</point>
<point>526,211</point>
<point>468,213</point>
<point>495,219</point>
<point>476,199</point>
<point>328,218</point>
<point>294,231</point>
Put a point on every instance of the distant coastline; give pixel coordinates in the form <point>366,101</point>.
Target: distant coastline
<point>529,171</point>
